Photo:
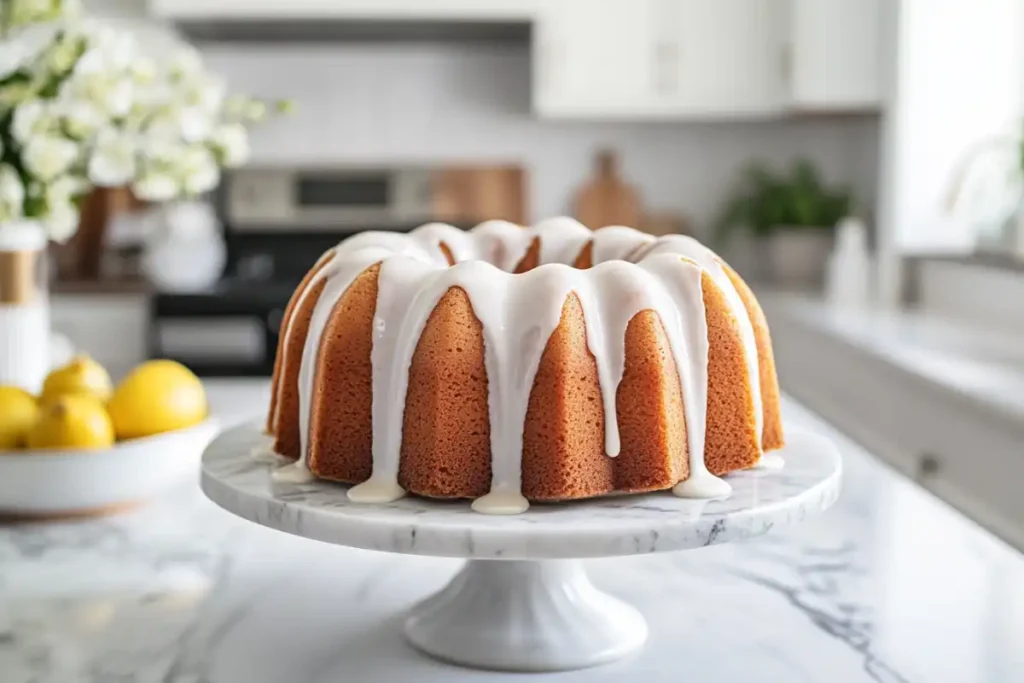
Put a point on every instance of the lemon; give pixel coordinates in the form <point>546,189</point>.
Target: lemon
<point>18,412</point>
<point>157,396</point>
<point>82,375</point>
<point>72,421</point>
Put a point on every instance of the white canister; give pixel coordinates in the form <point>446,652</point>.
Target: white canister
<point>849,266</point>
<point>24,306</point>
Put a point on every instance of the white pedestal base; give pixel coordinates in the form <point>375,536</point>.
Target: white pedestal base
<point>525,616</point>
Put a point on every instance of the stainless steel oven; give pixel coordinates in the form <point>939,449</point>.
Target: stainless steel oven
<point>327,198</point>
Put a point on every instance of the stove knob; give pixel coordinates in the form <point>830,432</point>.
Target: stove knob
<point>274,320</point>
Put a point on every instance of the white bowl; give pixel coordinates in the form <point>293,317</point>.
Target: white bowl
<point>57,483</point>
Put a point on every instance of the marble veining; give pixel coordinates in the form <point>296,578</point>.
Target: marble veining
<point>889,586</point>
<point>617,525</point>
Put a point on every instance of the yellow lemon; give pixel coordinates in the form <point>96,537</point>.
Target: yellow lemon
<point>158,396</point>
<point>82,375</point>
<point>72,421</point>
<point>18,412</point>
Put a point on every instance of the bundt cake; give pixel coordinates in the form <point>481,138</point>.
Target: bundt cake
<point>510,364</point>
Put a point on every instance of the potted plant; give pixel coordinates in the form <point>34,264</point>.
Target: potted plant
<point>791,216</point>
<point>82,106</point>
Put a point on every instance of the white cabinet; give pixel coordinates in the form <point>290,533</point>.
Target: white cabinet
<point>837,52</point>
<point>732,57</point>
<point>642,59</point>
<point>596,60</point>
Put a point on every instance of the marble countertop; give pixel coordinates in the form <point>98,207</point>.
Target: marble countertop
<point>890,586</point>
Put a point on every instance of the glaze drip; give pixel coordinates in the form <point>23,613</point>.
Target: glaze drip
<point>632,272</point>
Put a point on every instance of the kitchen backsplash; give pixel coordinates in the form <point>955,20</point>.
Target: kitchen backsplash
<point>373,103</point>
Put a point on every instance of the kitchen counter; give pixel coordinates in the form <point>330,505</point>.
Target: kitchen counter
<point>891,586</point>
<point>937,398</point>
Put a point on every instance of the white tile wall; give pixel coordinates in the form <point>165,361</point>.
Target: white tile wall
<point>459,102</point>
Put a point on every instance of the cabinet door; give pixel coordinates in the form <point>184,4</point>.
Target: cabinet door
<point>596,59</point>
<point>836,52</point>
<point>732,56</point>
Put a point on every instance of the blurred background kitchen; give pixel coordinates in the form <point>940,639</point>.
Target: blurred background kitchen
<point>860,160</point>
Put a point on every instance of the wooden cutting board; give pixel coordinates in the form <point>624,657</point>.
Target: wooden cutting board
<point>473,194</point>
<point>606,199</point>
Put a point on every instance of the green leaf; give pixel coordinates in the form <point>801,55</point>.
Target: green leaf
<point>764,200</point>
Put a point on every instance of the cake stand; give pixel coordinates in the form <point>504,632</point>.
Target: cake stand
<point>523,601</point>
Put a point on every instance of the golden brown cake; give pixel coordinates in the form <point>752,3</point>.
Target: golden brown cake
<point>509,364</point>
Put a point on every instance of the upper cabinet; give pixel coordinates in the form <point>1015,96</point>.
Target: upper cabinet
<point>659,58</point>
<point>836,54</point>
<point>601,63</point>
<point>732,57</point>
<point>611,59</point>
<point>676,59</point>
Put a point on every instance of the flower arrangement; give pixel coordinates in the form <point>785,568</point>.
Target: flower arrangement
<point>82,106</point>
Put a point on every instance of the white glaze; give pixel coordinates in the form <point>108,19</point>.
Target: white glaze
<point>264,452</point>
<point>617,242</point>
<point>684,245</point>
<point>344,267</point>
<point>293,473</point>
<point>561,239</point>
<point>518,314</point>
<point>770,461</point>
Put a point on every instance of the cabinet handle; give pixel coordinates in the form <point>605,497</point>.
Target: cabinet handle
<point>546,65</point>
<point>786,64</point>
<point>928,466</point>
<point>665,66</point>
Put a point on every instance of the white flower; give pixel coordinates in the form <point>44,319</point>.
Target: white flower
<point>32,119</point>
<point>82,119</point>
<point>199,171</point>
<point>143,71</point>
<point>31,11</point>
<point>63,54</point>
<point>119,97</point>
<point>65,189</point>
<point>101,75</point>
<point>231,142</point>
<point>163,129</point>
<point>47,157</point>
<point>156,187</point>
<point>194,124</point>
<point>206,92</point>
<point>61,221</point>
<point>185,63</point>
<point>12,194</point>
<point>13,57</point>
<point>161,151</point>
<point>13,94</point>
<point>113,161</point>
<point>110,50</point>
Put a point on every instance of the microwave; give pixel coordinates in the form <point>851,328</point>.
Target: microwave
<point>330,199</point>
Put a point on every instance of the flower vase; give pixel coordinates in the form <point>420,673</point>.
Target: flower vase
<point>24,306</point>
